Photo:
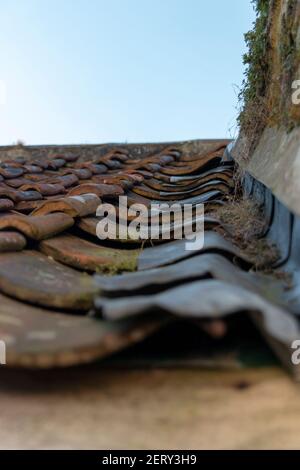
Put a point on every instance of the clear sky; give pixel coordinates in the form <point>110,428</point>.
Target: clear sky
<point>75,71</point>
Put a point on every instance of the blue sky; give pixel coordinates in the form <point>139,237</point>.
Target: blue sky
<point>74,71</point>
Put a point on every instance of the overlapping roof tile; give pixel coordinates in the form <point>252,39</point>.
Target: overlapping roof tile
<point>68,297</point>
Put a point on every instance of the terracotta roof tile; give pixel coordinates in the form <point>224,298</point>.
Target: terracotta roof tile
<point>11,172</point>
<point>51,258</point>
<point>40,338</point>
<point>11,241</point>
<point>99,189</point>
<point>45,189</point>
<point>33,277</point>
<point>38,227</point>
<point>17,195</point>
<point>6,204</point>
<point>76,206</point>
<point>85,255</point>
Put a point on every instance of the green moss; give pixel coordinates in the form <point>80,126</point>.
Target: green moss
<point>122,263</point>
<point>271,65</point>
<point>254,86</point>
<point>290,60</point>
<point>288,34</point>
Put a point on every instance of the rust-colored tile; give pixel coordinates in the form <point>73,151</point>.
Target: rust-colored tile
<point>120,179</point>
<point>6,205</point>
<point>67,156</point>
<point>37,177</point>
<point>11,172</point>
<point>17,195</point>
<point>31,168</point>
<point>17,182</point>
<point>100,190</point>
<point>180,195</point>
<point>56,163</point>
<point>95,168</point>
<point>113,164</point>
<point>81,173</point>
<point>188,184</point>
<point>65,180</point>
<point>82,254</point>
<point>75,206</point>
<point>33,277</point>
<point>27,206</point>
<point>186,168</point>
<point>11,241</point>
<point>46,189</point>
<point>89,225</point>
<point>39,227</point>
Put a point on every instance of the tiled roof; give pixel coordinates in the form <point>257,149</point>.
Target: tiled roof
<point>68,297</point>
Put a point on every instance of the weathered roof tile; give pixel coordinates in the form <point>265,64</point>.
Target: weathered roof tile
<point>11,241</point>
<point>55,186</point>
<point>84,255</point>
<point>75,206</point>
<point>38,227</point>
<point>33,277</point>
